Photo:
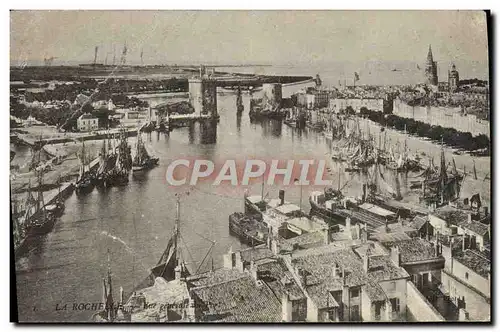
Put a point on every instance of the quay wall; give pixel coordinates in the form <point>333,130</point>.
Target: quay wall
<point>449,117</point>
<point>58,140</point>
<point>66,191</point>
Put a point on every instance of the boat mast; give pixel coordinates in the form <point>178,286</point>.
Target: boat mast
<point>110,292</point>
<point>338,182</point>
<point>177,229</point>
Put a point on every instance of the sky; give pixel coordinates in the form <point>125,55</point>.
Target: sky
<point>273,37</point>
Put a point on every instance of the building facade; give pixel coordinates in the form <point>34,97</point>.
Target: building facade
<point>87,122</point>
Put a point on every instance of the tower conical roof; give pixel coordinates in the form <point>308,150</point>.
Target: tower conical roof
<point>429,55</point>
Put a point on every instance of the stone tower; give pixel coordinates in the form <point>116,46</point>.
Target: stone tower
<point>453,78</point>
<point>203,93</point>
<point>431,76</point>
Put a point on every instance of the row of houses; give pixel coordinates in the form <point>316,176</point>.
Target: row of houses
<point>428,268</point>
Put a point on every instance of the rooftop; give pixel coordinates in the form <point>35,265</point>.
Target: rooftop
<point>376,210</point>
<point>87,116</point>
<point>418,222</point>
<point>414,250</point>
<point>213,277</point>
<point>256,253</point>
<point>451,214</point>
<point>476,227</point>
<point>383,268</point>
<point>306,240</point>
<point>239,300</point>
<point>276,275</point>
<point>389,237</point>
<point>395,228</point>
<point>319,267</point>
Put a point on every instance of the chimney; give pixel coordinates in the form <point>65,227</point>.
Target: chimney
<point>395,256</point>
<point>463,315</point>
<point>469,218</point>
<point>121,296</point>
<point>326,235</point>
<point>387,229</point>
<point>282,196</point>
<point>357,230</point>
<point>366,262</point>
<point>336,271</point>
<point>286,308</point>
<point>253,270</point>
<point>364,235</point>
<point>191,311</point>
<point>238,262</point>
<point>485,209</point>
<point>228,259</point>
<point>348,225</point>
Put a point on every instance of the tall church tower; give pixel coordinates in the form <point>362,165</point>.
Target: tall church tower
<point>453,78</point>
<point>431,76</point>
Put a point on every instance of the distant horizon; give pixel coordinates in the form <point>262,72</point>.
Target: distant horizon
<point>239,37</point>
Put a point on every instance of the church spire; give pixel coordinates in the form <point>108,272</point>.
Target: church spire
<point>429,55</point>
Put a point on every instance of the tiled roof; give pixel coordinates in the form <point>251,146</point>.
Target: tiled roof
<point>214,277</point>
<point>306,240</point>
<point>320,267</point>
<point>395,228</point>
<point>87,116</point>
<point>389,237</point>
<point>256,253</point>
<point>474,261</point>
<point>451,215</point>
<point>418,222</point>
<point>413,250</point>
<point>172,292</point>
<point>476,227</point>
<point>320,293</point>
<point>375,292</point>
<point>276,275</point>
<point>370,247</point>
<point>240,300</point>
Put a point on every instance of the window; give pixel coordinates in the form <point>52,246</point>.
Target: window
<point>355,292</point>
<point>395,304</point>
<point>332,314</point>
<point>466,276</point>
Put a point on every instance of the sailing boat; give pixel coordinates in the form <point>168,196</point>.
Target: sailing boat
<point>118,175</point>
<point>142,160</point>
<point>40,221</point>
<point>84,183</point>
<point>106,163</point>
<point>171,266</point>
<point>57,208</point>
